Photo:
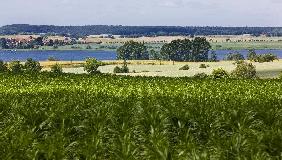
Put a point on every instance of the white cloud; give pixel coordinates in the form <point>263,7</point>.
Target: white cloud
<point>145,12</point>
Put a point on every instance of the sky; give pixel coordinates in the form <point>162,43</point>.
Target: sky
<point>142,12</point>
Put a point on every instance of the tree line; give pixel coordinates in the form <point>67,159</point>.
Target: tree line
<point>33,43</point>
<point>194,50</point>
<point>136,31</point>
<point>251,56</point>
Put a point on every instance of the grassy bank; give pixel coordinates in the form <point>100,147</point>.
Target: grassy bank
<point>246,45</point>
<point>215,46</point>
<point>157,46</point>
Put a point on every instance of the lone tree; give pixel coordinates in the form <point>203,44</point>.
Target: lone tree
<point>91,65</point>
<point>133,51</point>
<point>187,50</point>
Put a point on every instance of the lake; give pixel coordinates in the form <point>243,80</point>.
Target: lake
<point>72,55</point>
<point>76,55</point>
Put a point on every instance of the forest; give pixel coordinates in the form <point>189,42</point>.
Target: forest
<point>136,31</point>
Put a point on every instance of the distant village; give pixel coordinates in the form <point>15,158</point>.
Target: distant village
<point>34,42</point>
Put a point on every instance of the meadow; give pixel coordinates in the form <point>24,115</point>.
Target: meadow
<point>157,46</point>
<point>68,116</point>
<point>155,68</point>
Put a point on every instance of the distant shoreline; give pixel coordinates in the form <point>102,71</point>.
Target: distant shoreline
<point>93,50</point>
<point>26,50</point>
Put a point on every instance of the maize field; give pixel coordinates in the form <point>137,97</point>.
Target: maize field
<point>68,116</point>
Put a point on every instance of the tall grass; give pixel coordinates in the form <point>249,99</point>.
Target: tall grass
<point>109,117</point>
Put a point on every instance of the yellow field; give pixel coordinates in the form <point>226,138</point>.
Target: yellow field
<point>168,69</point>
<point>167,39</point>
<point>65,64</point>
<point>161,39</point>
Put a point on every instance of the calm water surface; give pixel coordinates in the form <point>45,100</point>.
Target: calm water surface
<point>75,55</point>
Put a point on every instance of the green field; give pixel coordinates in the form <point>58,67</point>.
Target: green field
<point>95,46</point>
<point>246,45</point>
<point>117,117</point>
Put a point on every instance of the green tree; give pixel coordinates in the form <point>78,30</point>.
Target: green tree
<point>266,58</point>
<point>154,55</point>
<point>38,41</point>
<point>186,50</point>
<point>167,52</point>
<point>51,42</point>
<point>236,56</point>
<point>3,43</point>
<point>32,66</point>
<point>91,65</point>
<point>132,51</point>
<point>200,49</point>
<point>177,50</point>
<point>213,56</point>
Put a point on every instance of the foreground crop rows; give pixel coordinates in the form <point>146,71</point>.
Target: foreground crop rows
<point>111,117</point>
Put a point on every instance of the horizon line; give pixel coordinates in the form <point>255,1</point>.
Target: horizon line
<point>142,25</point>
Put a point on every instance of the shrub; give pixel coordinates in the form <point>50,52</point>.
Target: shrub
<point>203,66</point>
<point>280,75</point>
<point>219,73</point>
<point>32,66</point>
<point>244,70</point>
<point>239,62</point>
<point>117,69</point>
<point>252,55</point>
<point>52,59</point>
<point>91,65</point>
<point>88,47</point>
<point>123,69</point>
<point>57,69</point>
<point>16,67</point>
<point>185,67</point>
<point>3,66</point>
<point>55,47</point>
<point>235,56</point>
<point>200,75</point>
<point>266,58</point>
<point>269,57</point>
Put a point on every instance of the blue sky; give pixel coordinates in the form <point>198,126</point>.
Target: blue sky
<point>143,12</point>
